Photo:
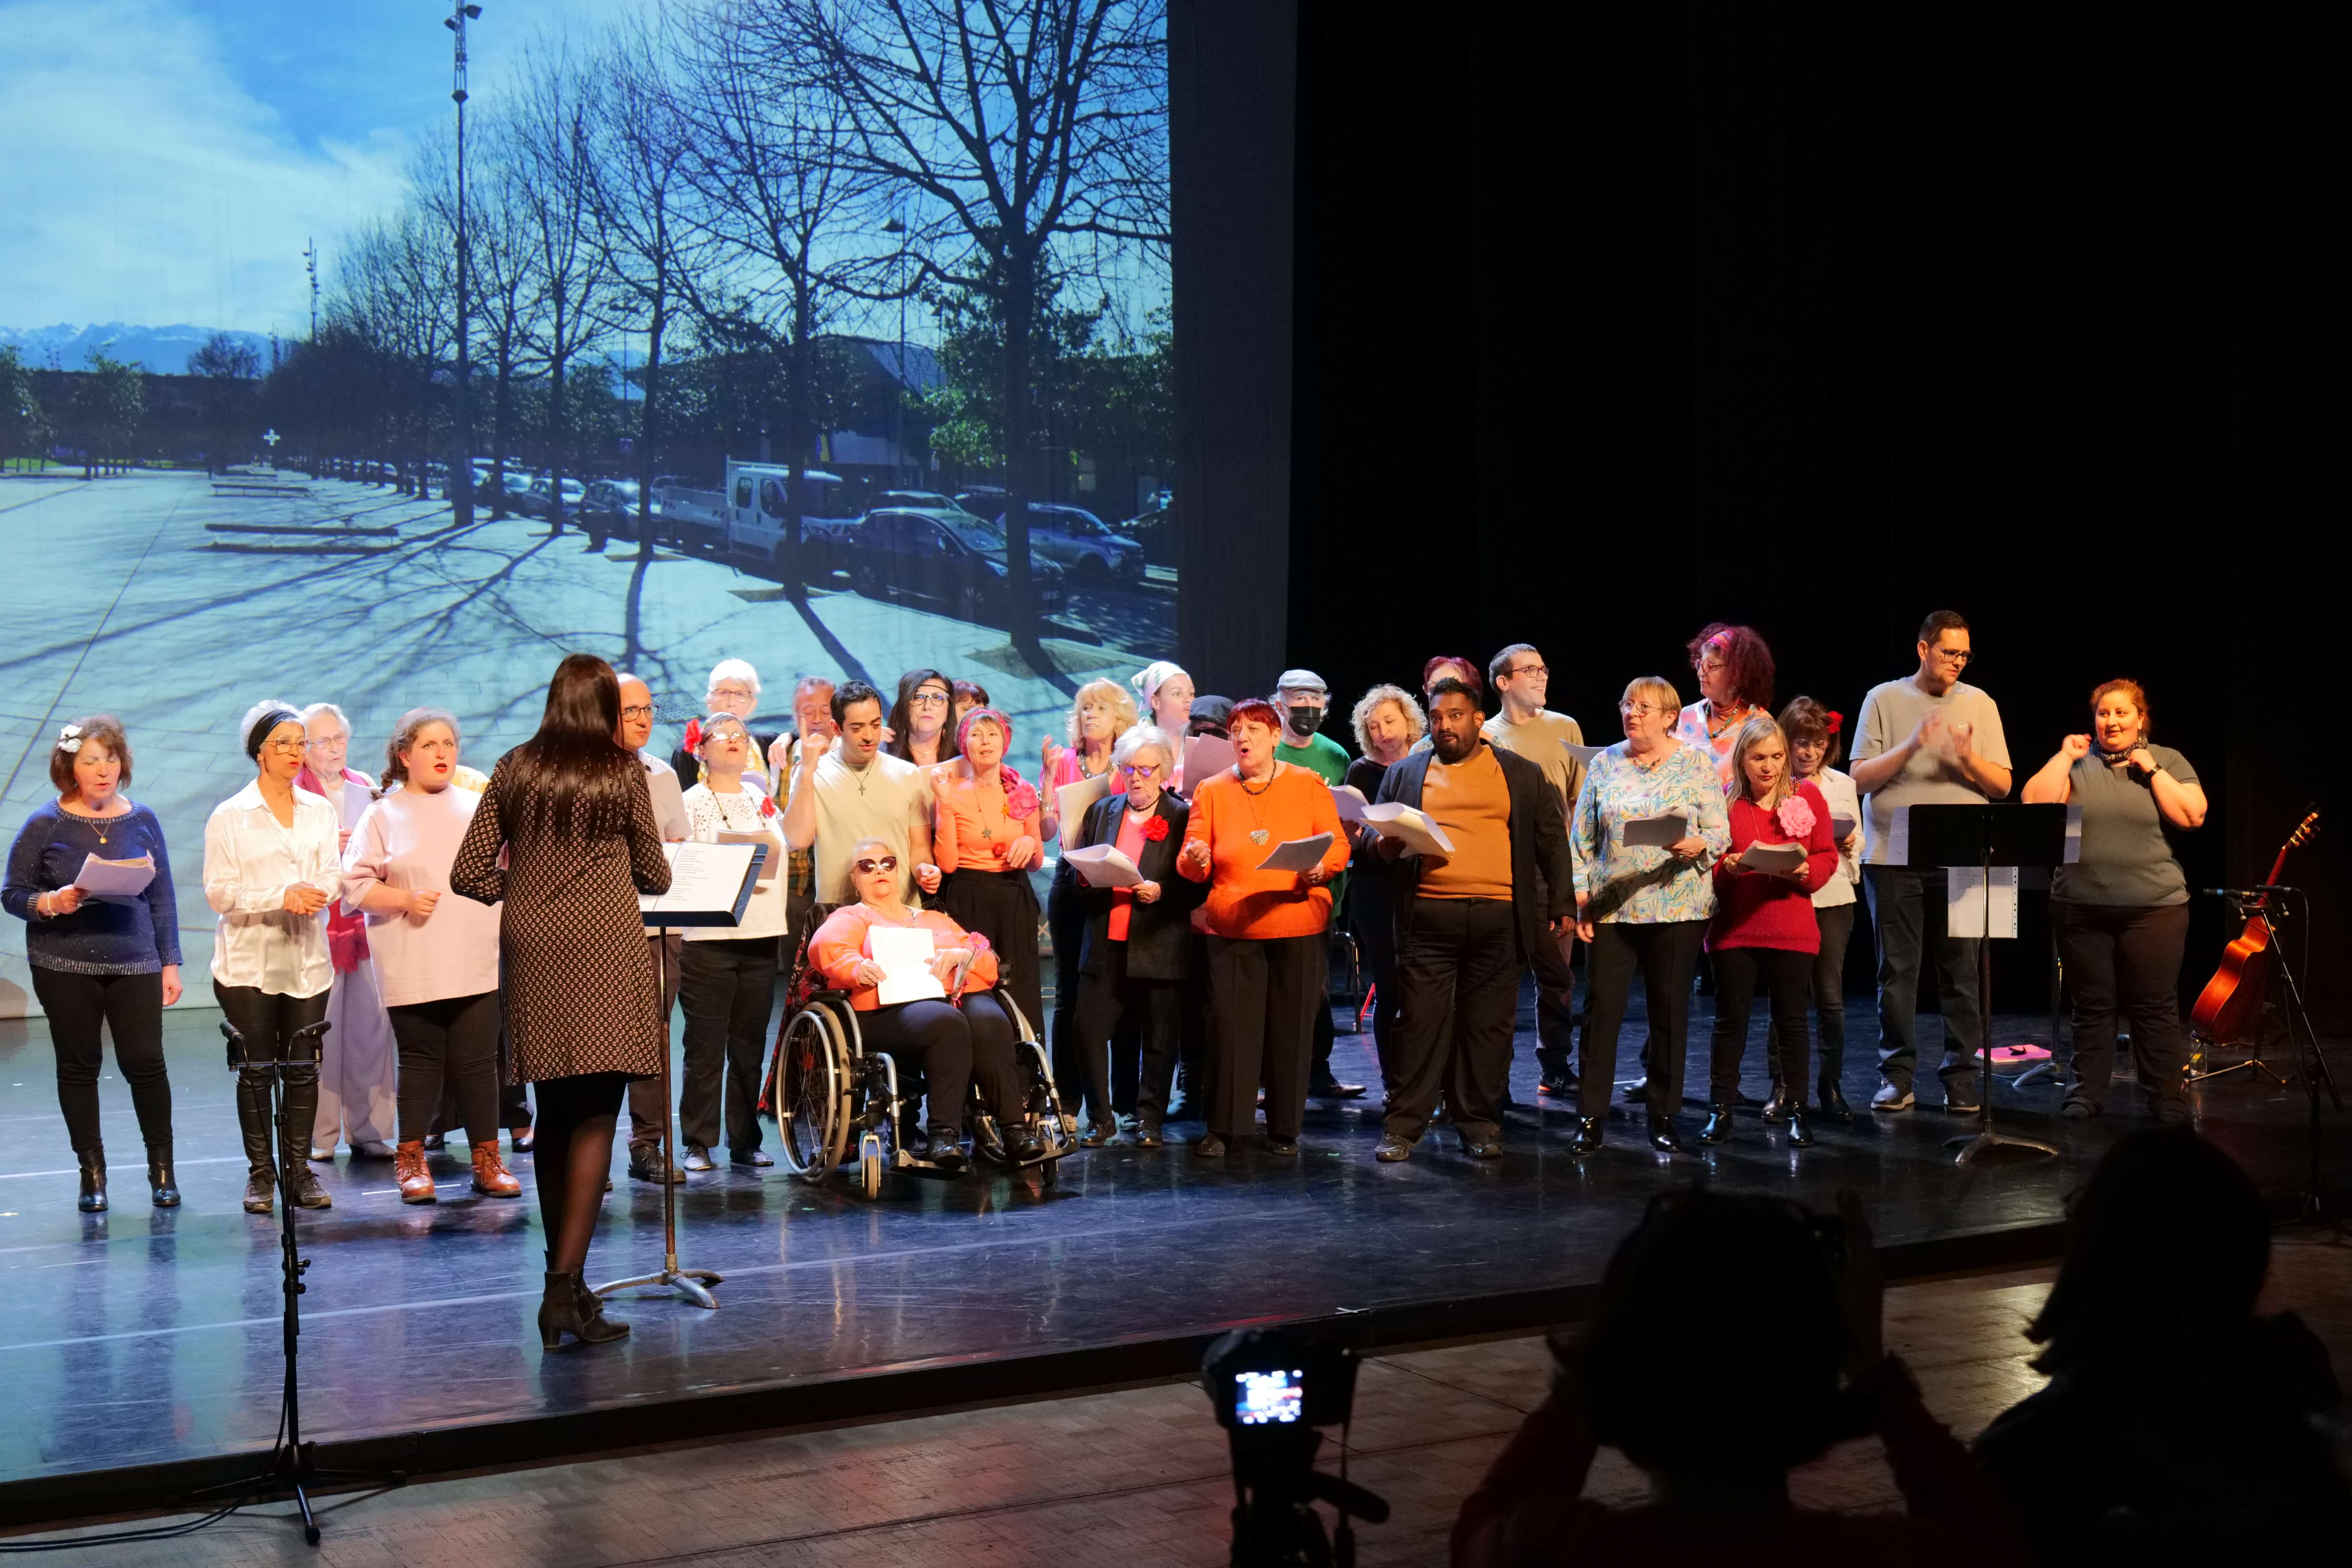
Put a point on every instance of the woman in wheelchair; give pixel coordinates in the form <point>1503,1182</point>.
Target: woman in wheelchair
<point>956,1042</point>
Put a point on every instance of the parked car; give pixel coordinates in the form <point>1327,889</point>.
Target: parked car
<point>922,501</point>
<point>929,558</point>
<point>535,498</point>
<point>1076,540</point>
<point>1156,532</point>
<point>611,506</point>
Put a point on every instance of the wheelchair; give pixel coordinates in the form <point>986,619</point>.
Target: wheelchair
<point>829,1094</point>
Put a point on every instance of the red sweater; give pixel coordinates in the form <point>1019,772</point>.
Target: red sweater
<point>1759,910</point>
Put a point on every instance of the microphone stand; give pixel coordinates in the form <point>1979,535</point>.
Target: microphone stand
<point>2312,1062</point>
<point>687,1282</point>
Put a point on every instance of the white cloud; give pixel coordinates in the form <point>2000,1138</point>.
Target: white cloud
<point>143,184</point>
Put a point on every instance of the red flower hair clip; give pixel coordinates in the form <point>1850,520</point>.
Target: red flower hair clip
<point>1837,722</point>
<point>694,734</point>
<point>1155,830</point>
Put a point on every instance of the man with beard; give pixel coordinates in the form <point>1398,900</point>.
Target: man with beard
<point>1463,938</point>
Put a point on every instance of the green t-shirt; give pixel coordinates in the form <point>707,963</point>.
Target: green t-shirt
<point>1322,756</point>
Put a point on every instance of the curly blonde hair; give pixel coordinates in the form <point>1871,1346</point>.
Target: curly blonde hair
<point>1111,694</point>
<point>1370,704</point>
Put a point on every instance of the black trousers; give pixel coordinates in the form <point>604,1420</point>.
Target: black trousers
<point>647,1114</point>
<point>1002,907</point>
<point>1373,920</point>
<point>1836,925</point>
<point>450,1044</point>
<point>1457,981</point>
<point>131,1006</point>
<point>1114,1010</point>
<point>1784,975</point>
<point>1665,953</point>
<point>728,988</point>
<point>1907,905</point>
<point>2123,963</point>
<point>955,1047</point>
<point>1261,997</point>
<point>265,1022</point>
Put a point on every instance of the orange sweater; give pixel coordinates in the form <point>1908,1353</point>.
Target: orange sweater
<point>1243,900</point>
<point>840,943</point>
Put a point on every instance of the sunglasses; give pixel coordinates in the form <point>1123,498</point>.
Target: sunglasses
<point>869,867</point>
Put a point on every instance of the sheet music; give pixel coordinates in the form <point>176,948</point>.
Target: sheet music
<point>1071,800</point>
<point>1104,866</point>
<point>1659,832</point>
<point>1297,854</point>
<point>1350,802</point>
<point>669,805</point>
<point>1413,829</point>
<point>1758,859</point>
<point>115,878</point>
<point>1205,756</point>
<point>1582,754</point>
<point>906,957</point>
<point>706,881</point>
<point>1964,901</point>
<point>2074,856</point>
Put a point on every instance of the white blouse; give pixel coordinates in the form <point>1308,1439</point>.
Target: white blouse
<point>250,861</point>
<point>1838,791</point>
<point>712,814</point>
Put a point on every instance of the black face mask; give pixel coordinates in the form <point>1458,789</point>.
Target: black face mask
<point>1303,720</point>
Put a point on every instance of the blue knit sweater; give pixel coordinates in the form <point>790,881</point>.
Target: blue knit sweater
<point>105,936</point>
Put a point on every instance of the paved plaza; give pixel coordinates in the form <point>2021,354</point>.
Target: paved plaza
<point>119,599</point>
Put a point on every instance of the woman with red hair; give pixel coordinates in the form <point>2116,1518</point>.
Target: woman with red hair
<point>1735,683</point>
<point>1265,928</point>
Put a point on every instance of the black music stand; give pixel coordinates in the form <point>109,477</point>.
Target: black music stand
<point>715,894</point>
<point>1979,839</point>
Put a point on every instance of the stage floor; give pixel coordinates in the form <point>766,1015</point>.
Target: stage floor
<point>142,1337</point>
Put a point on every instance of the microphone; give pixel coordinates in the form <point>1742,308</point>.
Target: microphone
<point>2232,892</point>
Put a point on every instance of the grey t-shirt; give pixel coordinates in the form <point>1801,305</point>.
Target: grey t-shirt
<point>1889,714</point>
<point>2125,858</point>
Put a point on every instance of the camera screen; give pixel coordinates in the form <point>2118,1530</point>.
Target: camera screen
<point>1265,1398</point>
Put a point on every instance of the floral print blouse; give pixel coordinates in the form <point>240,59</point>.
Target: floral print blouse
<point>1639,883</point>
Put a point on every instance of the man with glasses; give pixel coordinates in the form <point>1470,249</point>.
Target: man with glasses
<point>1526,728</point>
<point>1928,740</point>
<point>646,1111</point>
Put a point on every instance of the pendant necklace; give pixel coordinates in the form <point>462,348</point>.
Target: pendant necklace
<point>1258,834</point>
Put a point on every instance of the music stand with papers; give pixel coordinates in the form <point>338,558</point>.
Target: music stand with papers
<point>710,885</point>
<point>1982,838</point>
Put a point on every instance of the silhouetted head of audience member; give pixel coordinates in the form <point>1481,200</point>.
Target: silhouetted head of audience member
<point>1649,1365</point>
<point>2165,1246</point>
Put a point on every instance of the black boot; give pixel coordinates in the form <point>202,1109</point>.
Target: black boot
<point>1718,1123</point>
<point>93,1181</point>
<point>1662,1136</point>
<point>301,1109</point>
<point>568,1307</point>
<point>1832,1099</point>
<point>1799,1135</point>
<point>1588,1135</point>
<point>1776,1108</point>
<point>253,1121</point>
<point>160,1183</point>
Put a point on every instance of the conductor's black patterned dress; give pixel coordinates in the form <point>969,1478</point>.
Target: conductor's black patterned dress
<point>578,980</point>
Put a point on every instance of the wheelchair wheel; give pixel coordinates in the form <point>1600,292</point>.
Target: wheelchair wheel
<point>812,1104</point>
<point>871,1162</point>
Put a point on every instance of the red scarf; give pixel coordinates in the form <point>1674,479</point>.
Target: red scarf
<point>347,943</point>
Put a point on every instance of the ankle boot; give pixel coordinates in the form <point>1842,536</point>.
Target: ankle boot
<point>1800,1136</point>
<point>93,1181</point>
<point>160,1183</point>
<point>1588,1135</point>
<point>1718,1123</point>
<point>568,1307</point>
<point>1833,1097</point>
<point>1775,1108</point>
<point>491,1178</point>
<point>253,1121</point>
<point>409,1171</point>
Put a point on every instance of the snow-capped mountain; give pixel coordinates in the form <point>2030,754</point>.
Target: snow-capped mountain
<point>162,351</point>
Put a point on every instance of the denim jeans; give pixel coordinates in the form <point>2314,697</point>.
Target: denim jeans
<point>1899,899</point>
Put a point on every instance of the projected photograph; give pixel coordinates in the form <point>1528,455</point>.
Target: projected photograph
<point>379,355</point>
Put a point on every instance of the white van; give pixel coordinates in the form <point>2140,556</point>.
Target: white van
<point>756,510</point>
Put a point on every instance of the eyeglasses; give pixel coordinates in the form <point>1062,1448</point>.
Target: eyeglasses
<point>1708,664</point>
<point>930,698</point>
<point>1527,670</point>
<point>1952,655</point>
<point>1639,710</point>
<point>289,747</point>
<point>640,711</point>
<point>869,867</point>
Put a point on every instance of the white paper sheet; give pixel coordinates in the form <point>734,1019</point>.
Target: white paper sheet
<point>669,805</point>
<point>1297,854</point>
<point>774,846</point>
<point>1898,836</point>
<point>1761,857</point>
<point>1071,800</point>
<point>1104,866</point>
<point>1413,829</point>
<point>906,958</point>
<point>705,881</point>
<point>1350,802</point>
<point>1205,756</point>
<point>1659,832</point>
<point>1964,901</point>
<point>1583,754</point>
<point>2074,856</point>
<point>115,878</point>
<point>1841,827</point>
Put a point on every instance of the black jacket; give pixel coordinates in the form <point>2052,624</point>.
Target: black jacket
<point>1540,865</point>
<point>1157,932</point>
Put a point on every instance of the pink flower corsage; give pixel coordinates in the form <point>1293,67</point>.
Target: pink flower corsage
<point>1795,817</point>
<point>766,806</point>
<point>1020,795</point>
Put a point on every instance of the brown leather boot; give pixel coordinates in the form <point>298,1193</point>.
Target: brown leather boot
<point>408,1170</point>
<point>491,1178</point>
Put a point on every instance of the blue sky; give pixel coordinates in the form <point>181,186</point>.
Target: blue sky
<point>166,160</point>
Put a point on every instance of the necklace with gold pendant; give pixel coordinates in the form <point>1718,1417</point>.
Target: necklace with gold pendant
<point>1258,834</point>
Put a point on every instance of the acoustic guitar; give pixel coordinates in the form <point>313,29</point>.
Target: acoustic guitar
<point>2229,1010</point>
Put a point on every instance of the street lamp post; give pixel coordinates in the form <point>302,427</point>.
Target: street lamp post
<point>461,461</point>
<point>898,227</point>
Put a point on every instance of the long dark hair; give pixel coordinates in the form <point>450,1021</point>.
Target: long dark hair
<point>902,717</point>
<point>574,775</point>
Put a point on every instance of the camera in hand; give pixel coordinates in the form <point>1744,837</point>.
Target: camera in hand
<point>1271,1389</point>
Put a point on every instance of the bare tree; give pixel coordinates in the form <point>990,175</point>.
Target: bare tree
<point>1032,135</point>
<point>775,190</point>
<point>637,147</point>
<point>504,317</point>
<point>552,195</point>
<point>394,286</point>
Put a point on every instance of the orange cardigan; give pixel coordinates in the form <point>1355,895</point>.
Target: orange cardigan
<point>1243,900</point>
<point>839,945</point>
